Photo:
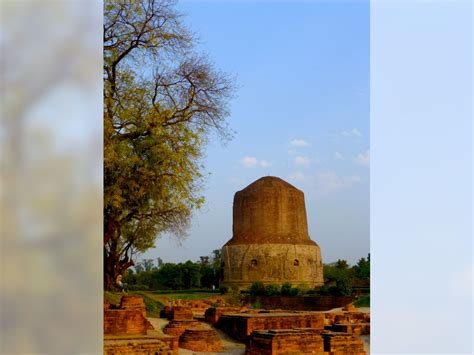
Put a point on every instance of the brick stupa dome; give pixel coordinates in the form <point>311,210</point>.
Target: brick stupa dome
<point>270,210</point>
<point>270,241</point>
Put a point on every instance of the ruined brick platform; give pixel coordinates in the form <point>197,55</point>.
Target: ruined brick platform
<point>240,326</point>
<point>285,341</point>
<point>181,313</point>
<point>177,327</point>
<point>342,343</point>
<point>128,331</point>
<point>198,339</point>
<point>127,319</point>
<point>213,314</point>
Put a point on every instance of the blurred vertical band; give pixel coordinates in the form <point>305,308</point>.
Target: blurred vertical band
<point>51,177</point>
<point>421,177</point>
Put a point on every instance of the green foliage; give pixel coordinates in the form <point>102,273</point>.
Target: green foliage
<point>285,289</point>
<point>257,289</point>
<point>234,298</point>
<point>364,301</point>
<point>272,290</point>
<point>323,290</point>
<point>362,269</point>
<point>138,287</point>
<point>223,290</point>
<point>153,307</point>
<point>171,276</point>
<point>295,291</point>
<point>256,305</point>
<point>161,103</point>
<point>344,286</point>
<point>342,264</point>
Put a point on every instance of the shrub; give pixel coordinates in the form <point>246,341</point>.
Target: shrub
<point>256,305</point>
<point>286,289</point>
<point>234,298</point>
<point>323,290</point>
<point>303,289</point>
<point>344,286</point>
<point>257,289</point>
<point>295,291</point>
<point>138,287</point>
<point>223,290</point>
<point>272,290</point>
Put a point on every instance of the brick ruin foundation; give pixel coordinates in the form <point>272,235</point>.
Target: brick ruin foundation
<point>293,332</point>
<point>240,326</point>
<point>127,331</point>
<point>303,341</point>
<point>198,339</point>
<point>285,341</point>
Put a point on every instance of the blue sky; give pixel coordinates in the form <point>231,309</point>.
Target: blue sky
<point>301,113</point>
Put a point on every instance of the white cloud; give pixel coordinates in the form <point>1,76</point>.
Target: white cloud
<point>324,182</point>
<point>251,162</point>
<point>301,160</point>
<point>299,143</point>
<point>363,158</point>
<point>353,133</point>
<point>298,176</point>
<point>338,156</point>
<point>327,182</point>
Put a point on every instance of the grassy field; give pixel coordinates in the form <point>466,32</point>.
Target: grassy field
<point>364,301</point>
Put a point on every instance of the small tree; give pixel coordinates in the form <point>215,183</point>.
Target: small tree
<point>257,289</point>
<point>272,290</point>
<point>286,289</point>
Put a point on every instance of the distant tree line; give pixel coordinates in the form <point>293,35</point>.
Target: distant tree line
<point>150,275</point>
<point>340,279</point>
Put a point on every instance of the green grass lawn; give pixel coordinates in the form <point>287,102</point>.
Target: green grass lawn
<point>364,301</point>
<point>187,296</point>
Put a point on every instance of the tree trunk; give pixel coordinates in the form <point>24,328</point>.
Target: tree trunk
<point>114,267</point>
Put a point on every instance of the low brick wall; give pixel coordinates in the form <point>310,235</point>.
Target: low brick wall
<point>240,326</point>
<point>342,343</point>
<point>299,303</point>
<point>285,341</point>
<point>133,347</point>
<point>196,339</point>
<point>124,321</point>
<point>177,327</point>
<point>213,314</point>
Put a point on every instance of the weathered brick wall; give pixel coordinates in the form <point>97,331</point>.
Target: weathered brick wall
<point>289,341</point>
<point>299,303</point>
<point>177,327</point>
<point>122,321</point>
<point>206,340</point>
<point>181,313</point>
<point>134,347</point>
<point>212,315</point>
<point>342,343</point>
<point>241,326</point>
